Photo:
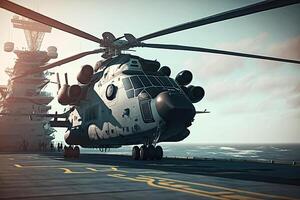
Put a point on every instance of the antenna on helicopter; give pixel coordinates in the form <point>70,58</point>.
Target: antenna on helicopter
<point>58,81</point>
<point>66,79</point>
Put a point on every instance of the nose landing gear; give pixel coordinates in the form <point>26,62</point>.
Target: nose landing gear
<point>147,152</point>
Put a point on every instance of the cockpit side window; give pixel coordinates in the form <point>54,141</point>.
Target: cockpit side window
<point>130,94</point>
<point>137,91</point>
<point>137,83</point>
<point>127,84</point>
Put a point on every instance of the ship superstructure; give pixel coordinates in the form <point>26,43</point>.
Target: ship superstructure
<point>20,97</point>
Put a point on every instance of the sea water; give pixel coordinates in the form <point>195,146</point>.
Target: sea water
<point>260,152</point>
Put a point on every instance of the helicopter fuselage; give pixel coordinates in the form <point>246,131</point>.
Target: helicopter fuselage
<point>124,107</point>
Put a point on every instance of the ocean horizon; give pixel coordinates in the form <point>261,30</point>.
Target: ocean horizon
<point>282,152</point>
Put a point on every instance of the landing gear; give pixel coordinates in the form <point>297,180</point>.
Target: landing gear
<point>70,152</point>
<point>76,152</point>
<point>147,152</point>
<point>136,153</point>
<point>143,152</point>
<point>158,152</point>
<point>151,152</point>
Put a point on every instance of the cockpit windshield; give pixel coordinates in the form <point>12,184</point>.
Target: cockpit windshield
<point>153,85</point>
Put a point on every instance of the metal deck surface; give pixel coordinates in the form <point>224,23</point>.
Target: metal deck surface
<point>96,176</point>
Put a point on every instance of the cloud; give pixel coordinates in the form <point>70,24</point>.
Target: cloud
<point>212,65</point>
<point>237,82</point>
<point>274,87</point>
<point>287,49</point>
<point>294,102</point>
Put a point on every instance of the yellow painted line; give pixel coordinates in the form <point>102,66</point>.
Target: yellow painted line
<point>17,165</point>
<point>51,166</point>
<point>115,169</point>
<point>143,172</point>
<point>151,181</point>
<point>98,170</point>
<point>225,188</point>
<point>93,169</point>
<point>240,197</point>
<point>69,171</point>
<point>148,172</point>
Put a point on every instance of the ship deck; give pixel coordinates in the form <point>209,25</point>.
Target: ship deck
<point>102,176</point>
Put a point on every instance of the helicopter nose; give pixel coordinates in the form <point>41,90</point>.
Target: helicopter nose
<point>173,106</point>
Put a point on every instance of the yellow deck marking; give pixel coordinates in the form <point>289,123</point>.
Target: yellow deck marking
<point>144,172</point>
<point>51,166</point>
<point>224,188</point>
<point>69,171</point>
<point>17,165</point>
<point>98,170</point>
<point>166,183</point>
<point>151,181</point>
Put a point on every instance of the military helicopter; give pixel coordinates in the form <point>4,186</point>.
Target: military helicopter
<point>129,100</point>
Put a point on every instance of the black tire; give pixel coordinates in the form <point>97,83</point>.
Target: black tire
<point>76,152</point>
<point>71,152</point>
<point>66,151</point>
<point>135,152</point>
<point>143,152</point>
<point>151,152</point>
<point>158,152</point>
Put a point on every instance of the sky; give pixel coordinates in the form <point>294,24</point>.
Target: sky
<point>251,101</point>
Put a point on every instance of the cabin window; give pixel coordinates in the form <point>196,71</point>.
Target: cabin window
<point>137,83</point>
<point>127,83</point>
<point>111,91</point>
<point>146,111</point>
<point>105,75</point>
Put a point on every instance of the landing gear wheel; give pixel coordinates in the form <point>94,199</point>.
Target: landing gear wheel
<point>68,151</point>
<point>76,152</point>
<point>151,152</point>
<point>158,152</point>
<point>135,152</point>
<point>71,152</point>
<point>143,153</point>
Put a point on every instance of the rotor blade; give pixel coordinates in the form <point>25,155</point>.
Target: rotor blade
<point>58,63</point>
<point>216,51</point>
<point>20,10</point>
<point>202,112</point>
<point>247,10</point>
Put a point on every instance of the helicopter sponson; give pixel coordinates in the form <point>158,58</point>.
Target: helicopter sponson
<point>129,100</point>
